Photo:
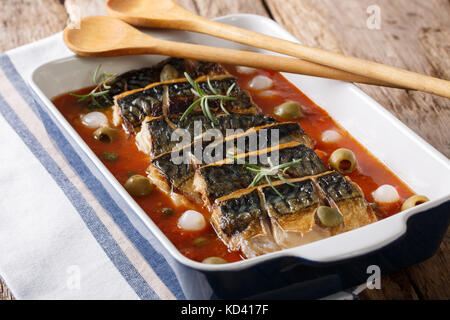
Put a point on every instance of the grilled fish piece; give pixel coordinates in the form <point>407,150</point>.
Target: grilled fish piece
<point>174,97</point>
<point>157,133</point>
<point>241,222</point>
<point>181,97</point>
<point>175,169</point>
<point>174,176</point>
<point>219,179</point>
<point>292,218</point>
<point>258,138</point>
<point>348,199</point>
<point>136,79</point>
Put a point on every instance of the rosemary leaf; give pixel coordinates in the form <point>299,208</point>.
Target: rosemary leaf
<point>100,91</point>
<point>269,172</point>
<point>204,99</point>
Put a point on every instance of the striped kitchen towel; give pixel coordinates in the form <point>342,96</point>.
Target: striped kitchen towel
<point>62,234</point>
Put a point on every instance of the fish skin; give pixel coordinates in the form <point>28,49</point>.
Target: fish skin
<point>140,78</point>
<point>209,179</point>
<point>215,181</point>
<point>172,98</point>
<point>239,212</point>
<point>337,188</point>
<point>155,137</point>
<point>176,174</point>
<point>181,97</point>
<point>263,137</point>
<point>346,196</point>
<point>178,167</point>
<point>292,218</point>
<point>241,222</point>
<point>298,196</point>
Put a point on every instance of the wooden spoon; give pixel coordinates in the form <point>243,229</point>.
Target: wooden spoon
<point>168,14</point>
<point>102,36</point>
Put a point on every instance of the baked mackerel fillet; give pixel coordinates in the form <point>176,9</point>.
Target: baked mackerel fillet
<point>140,78</point>
<point>221,178</point>
<point>292,219</point>
<point>346,196</point>
<point>174,171</point>
<point>172,98</point>
<point>242,223</point>
<point>159,134</point>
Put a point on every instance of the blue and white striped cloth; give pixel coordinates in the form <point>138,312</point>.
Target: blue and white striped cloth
<point>62,234</point>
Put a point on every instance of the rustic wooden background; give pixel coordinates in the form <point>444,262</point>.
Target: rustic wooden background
<point>414,34</point>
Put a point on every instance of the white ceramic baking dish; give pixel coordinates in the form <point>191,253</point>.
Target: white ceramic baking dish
<point>412,159</point>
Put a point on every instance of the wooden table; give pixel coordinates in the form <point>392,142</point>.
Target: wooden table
<point>414,34</point>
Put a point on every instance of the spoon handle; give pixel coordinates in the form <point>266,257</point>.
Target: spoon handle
<point>255,60</point>
<point>387,74</point>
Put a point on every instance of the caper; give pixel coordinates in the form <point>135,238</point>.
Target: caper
<point>214,260</point>
<point>110,156</point>
<point>289,110</point>
<point>414,201</point>
<point>105,134</point>
<point>200,241</point>
<point>329,217</point>
<point>343,160</point>
<point>168,72</point>
<point>138,186</point>
<point>167,211</point>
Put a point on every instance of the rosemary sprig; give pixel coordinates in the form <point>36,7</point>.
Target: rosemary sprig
<point>270,172</point>
<point>204,98</point>
<point>100,91</point>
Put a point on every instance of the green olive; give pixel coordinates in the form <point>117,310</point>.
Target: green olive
<point>214,260</point>
<point>168,72</point>
<point>343,160</point>
<point>105,134</point>
<point>329,217</point>
<point>200,242</point>
<point>414,201</point>
<point>110,156</point>
<point>167,211</point>
<point>289,110</point>
<point>138,186</point>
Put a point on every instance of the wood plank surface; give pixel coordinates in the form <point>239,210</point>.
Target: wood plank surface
<point>413,34</point>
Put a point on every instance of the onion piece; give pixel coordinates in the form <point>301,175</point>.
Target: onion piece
<point>260,83</point>
<point>268,93</point>
<point>386,194</point>
<point>191,221</point>
<point>331,136</point>
<point>94,120</point>
<point>245,70</point>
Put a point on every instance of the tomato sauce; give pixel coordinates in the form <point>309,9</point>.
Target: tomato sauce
<point>369,174</point>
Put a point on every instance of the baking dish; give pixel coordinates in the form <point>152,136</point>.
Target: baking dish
<point>316,269</point>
